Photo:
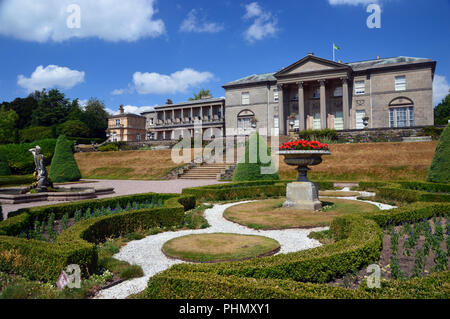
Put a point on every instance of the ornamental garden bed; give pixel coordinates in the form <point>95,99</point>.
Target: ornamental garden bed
<point>269,214</point>
<point>410,250</point>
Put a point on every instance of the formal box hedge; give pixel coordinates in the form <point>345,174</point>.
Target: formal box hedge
<point>43,261</point>
<point>359,243</point>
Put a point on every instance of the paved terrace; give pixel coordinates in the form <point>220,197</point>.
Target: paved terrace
<point>123,187</point>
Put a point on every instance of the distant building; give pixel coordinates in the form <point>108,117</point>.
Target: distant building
<point>172,121</point>
<point>316,93</point>
<point>126,127</point>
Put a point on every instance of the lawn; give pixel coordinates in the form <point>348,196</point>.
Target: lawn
<point>269,214</point>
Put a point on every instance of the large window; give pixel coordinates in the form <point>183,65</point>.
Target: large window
<point>338,91</point>
<point>400,83</point>
<point>360,87</point>
<point>245,98</point>
<point>401,117</point>
<point>316,93</point>
<point>275,95</point>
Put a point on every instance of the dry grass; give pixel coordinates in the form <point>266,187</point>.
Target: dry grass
<point>126,165</point>
<point>371,161</point>
<point>219,247</point>
<point>269,214</point>
<point>338,194</point>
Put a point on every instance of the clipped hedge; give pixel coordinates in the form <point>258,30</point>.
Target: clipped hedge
<point>245,190</point>
<point>4,168</point>
<point>410,196</point>
<point>358,243</point>
<point>64,168</point>
<point>14,180</point>
<point>37,260</point>
<point>427,187</point>
<point>439,170</point>
<point>21,161</point>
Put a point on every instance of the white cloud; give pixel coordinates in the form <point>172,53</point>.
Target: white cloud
<point>109,20</point>
<point>191,24</point>
<point>440,88</point>
<point>351,2</point>
<point>264,24</point>
<point>180,81</point>
<point>137,109</point>
<point>50,77</point>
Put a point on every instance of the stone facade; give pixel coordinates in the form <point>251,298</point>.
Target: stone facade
<point>126,127</point>
<point>316,93</point>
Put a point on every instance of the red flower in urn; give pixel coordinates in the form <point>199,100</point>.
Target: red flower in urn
<point>304,145</point>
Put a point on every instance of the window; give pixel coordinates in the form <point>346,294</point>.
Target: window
<point>245,98</point>
<point>117,122</point>
<point>360,87</point>
<point>151,121</point>
<point>138,137</point>
<point>275,95</point>
<point>400,83</point>
<point>360,114</point>
<point>339,121</point>
<point>316,94</point>
<point>401,117</point>
<point>338,91</point>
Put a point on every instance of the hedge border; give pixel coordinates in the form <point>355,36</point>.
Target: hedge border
<point>37,260</point>
<point>234,281</point>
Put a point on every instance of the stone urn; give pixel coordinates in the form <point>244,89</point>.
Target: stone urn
<point>303,194</point>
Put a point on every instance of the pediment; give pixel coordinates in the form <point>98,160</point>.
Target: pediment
<point>311,64</point>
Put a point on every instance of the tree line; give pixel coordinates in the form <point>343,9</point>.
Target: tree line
<point>48,114</point>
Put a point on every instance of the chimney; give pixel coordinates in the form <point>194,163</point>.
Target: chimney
<point>378,57</point>
<point>310,53</point>
<point>121,109</point>
<point>340,61</point>
<point>169,102</point>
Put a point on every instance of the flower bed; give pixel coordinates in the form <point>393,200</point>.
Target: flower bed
<point>358,243</point>
<point>38,260</point>
<point>304,145</point>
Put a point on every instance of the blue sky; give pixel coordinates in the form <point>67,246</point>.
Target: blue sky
<point>141,52</point>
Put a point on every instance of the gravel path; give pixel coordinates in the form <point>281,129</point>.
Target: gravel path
<point>123,187</point>
<point>147,252</point>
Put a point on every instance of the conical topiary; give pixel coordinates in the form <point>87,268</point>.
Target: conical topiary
<point>440,167</point>
<point>250,167</point>
<point>64,168</point>
<point>4,168</point>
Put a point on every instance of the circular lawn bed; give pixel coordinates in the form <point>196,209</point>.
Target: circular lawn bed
<point>211,248</point>
<point>270,214</point>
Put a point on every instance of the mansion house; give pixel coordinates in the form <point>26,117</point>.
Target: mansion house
<point>310,94</point>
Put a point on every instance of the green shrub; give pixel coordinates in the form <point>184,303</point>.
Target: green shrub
<point>434,132</point>
<point>37,260</point>
<point>439,170</point>
<point>322,135</point>
<point>427,187</point>
<point>86,140</point>
<point>250,167</point>
<point>64,168</point>
<point>15,180</point>
<point>73,128</point>
<point>35,133</point>
<point>410,196</point>
<point>4,168</point>
<point>108,148</point>
<point>21,161</point>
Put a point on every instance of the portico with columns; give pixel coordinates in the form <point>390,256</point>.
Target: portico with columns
<point>316,91</point>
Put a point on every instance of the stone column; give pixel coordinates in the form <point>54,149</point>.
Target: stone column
<point>281,117</point>
<point>222,115</point>
<point>211,113</point>
<point>323,104</point>
<point>192,115</point>
<point>345,103</point>
<point>301,106</point>
<point>173,116</point>
<point>164,117</point>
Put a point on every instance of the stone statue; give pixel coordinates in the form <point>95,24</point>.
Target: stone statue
<point>41,172</point>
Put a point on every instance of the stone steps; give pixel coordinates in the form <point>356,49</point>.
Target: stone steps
<point>207,171</point>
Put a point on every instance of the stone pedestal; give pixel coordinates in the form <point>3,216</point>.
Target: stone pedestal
<point>303,195</point>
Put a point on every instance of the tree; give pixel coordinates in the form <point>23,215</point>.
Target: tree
<point>74,128</point>
<point>8,119</point>
<point>201,95</point>
<point>442,112</point>
<point>96,118</point>
<point>4,168</point>
<point>75,112</point>
<point>53,108</point>
<point>24,109</point>
<point>64,168</point>
<point>439,170</point>
<point>35,133</point>
<point>250,169</point>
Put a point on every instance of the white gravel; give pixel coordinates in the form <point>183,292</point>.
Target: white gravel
<point>147,252</point>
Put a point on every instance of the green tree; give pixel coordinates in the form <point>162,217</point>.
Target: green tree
<point>440,167</point>
<point>24,109</point>
<point>250,167</point>
<point>75,112</point>
<point>53,108</point>
<point>4,168</point>
<point>64,168</point>
<point>74,128</point>
<point>8,119</point>
<point>201,95</point>
<point>442,112</point>
<point>35,133</point>
<point>96,118</point>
